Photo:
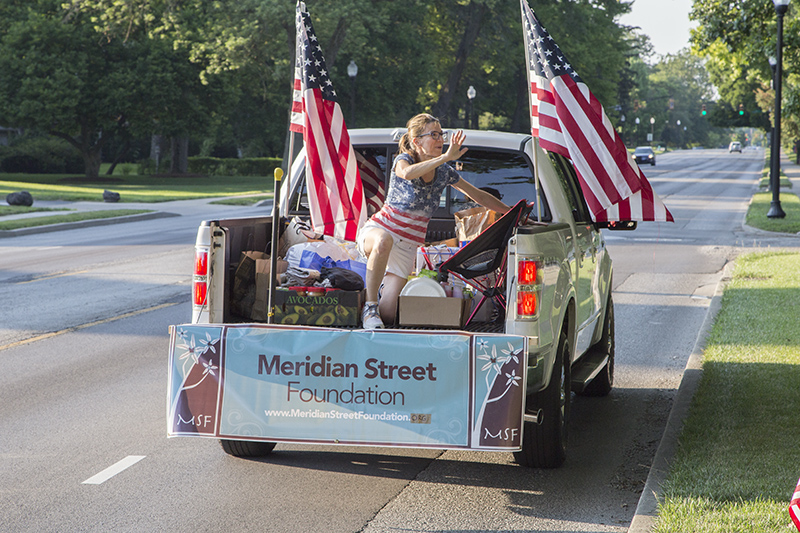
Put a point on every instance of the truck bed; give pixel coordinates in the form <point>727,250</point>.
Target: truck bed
<point>256,234</point>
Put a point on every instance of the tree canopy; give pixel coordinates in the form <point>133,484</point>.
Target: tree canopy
<point>221,72</point>
<point>737,39</point>
<point>61,77</point>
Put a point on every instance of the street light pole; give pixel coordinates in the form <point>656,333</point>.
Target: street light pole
<point>352,71</point>
<point>772,64</point>
<point>775,210</point>
<point>471,94</point>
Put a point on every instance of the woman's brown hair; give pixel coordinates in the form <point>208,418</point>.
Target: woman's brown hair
<point>415,127</point>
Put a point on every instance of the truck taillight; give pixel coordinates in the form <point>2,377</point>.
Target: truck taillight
<point>528,288</point>
<point>200,278</point>
<point>526,303</point>
<point>527,272</point>
<point>201,263</point>
<point>199,290</point>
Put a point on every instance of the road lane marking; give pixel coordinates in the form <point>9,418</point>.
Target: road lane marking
<point>83,326</point>
<point>113,470</point>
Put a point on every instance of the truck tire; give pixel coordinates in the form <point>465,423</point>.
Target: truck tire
<point>544,445</point>
<point>247,448</point>
<point>602,384</point>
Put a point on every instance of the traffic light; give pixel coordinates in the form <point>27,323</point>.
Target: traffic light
<point>636,105</point>
<point>741,109</point>
<point>703,110</point>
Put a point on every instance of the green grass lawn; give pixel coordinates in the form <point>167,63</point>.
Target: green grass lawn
<point>765,172</point>
<point>757,213</point>
<point>738,458</point>
<point>20,209</point>
<point>72,217</point>
<point>133,188</point>
<point>246,190</point>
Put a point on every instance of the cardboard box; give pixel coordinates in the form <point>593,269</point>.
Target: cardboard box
<point>429,311</point>
<point>328,308</point>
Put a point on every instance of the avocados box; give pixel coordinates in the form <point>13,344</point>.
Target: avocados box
<point>428,311</point>
<point>314,306</point>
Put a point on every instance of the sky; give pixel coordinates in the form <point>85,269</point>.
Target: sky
<point>665,21</point>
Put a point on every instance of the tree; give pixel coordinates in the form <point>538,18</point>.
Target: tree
<point>61,77</point>
<point>682,80</point>
<point>222,71</point>
<point>737,39</point>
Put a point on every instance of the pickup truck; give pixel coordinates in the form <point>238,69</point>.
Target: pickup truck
<point>570,336</point>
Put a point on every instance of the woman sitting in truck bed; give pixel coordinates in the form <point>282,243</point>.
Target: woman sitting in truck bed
<point>390,238</point>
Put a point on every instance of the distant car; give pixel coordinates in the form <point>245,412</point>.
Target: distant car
<point>644,154</point>
<point>735,147</point>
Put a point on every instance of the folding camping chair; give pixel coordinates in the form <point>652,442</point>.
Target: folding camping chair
<point>484,255</point>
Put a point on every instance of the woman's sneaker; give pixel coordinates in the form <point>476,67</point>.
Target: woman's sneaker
<point>370,317</point>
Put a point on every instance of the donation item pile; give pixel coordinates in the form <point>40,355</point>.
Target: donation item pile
<point>320,281</point>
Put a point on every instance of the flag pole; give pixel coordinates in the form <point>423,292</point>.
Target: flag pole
<point>276,220</point>
<point>530,108</point>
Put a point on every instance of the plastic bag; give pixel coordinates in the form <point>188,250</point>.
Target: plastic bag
<point>322,248</point>
<point>297,231</point>
<point>310,259</point>
<point>342,278</point>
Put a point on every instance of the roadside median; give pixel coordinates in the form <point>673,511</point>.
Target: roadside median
<point>32,225</point>
<point>68,202</point>
<point>729,460</point>
<point>737,461</point>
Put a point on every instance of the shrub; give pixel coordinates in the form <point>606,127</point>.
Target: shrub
<point>41,155</point>
<point>215,166</point>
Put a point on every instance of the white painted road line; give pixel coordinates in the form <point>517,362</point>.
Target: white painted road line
<point>113,470</point>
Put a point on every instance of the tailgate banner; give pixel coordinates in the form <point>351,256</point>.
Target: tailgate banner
<point>274,383</point>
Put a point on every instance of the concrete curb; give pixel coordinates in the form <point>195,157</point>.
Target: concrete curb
<point>86,224</point>
<point>647,508</point>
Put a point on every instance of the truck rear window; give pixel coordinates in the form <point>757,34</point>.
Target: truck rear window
<point>507,175</point>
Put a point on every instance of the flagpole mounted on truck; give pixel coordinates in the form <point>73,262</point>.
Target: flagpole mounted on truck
<point>276,219</point>
<point>569,120</point>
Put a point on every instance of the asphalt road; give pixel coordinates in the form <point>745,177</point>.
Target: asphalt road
<point>83,345</point>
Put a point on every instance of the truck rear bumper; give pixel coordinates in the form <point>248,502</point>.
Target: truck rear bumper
<point>540,361</point>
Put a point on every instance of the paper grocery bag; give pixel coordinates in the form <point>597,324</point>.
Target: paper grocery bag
<point>471,222</point>
<point>261,301</point>
<point>262,269</point>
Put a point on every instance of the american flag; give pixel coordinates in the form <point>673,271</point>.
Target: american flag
<point>569,120</point>
<point>372,180</point>
<point>335,193</point>
<point>794,507</point>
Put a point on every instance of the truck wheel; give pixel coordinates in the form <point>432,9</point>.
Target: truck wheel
<point>247,448</point>
<point>544,445</point>
<point>602,384</point>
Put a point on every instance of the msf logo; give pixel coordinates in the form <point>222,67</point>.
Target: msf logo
<point>507,434</point>
<point>200,421</point>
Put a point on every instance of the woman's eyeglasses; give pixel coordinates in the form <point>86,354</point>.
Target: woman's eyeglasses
<point>436,135</point>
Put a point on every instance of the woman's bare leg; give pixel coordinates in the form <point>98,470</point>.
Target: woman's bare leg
<point>377,245</point>
<point>392,285</point>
